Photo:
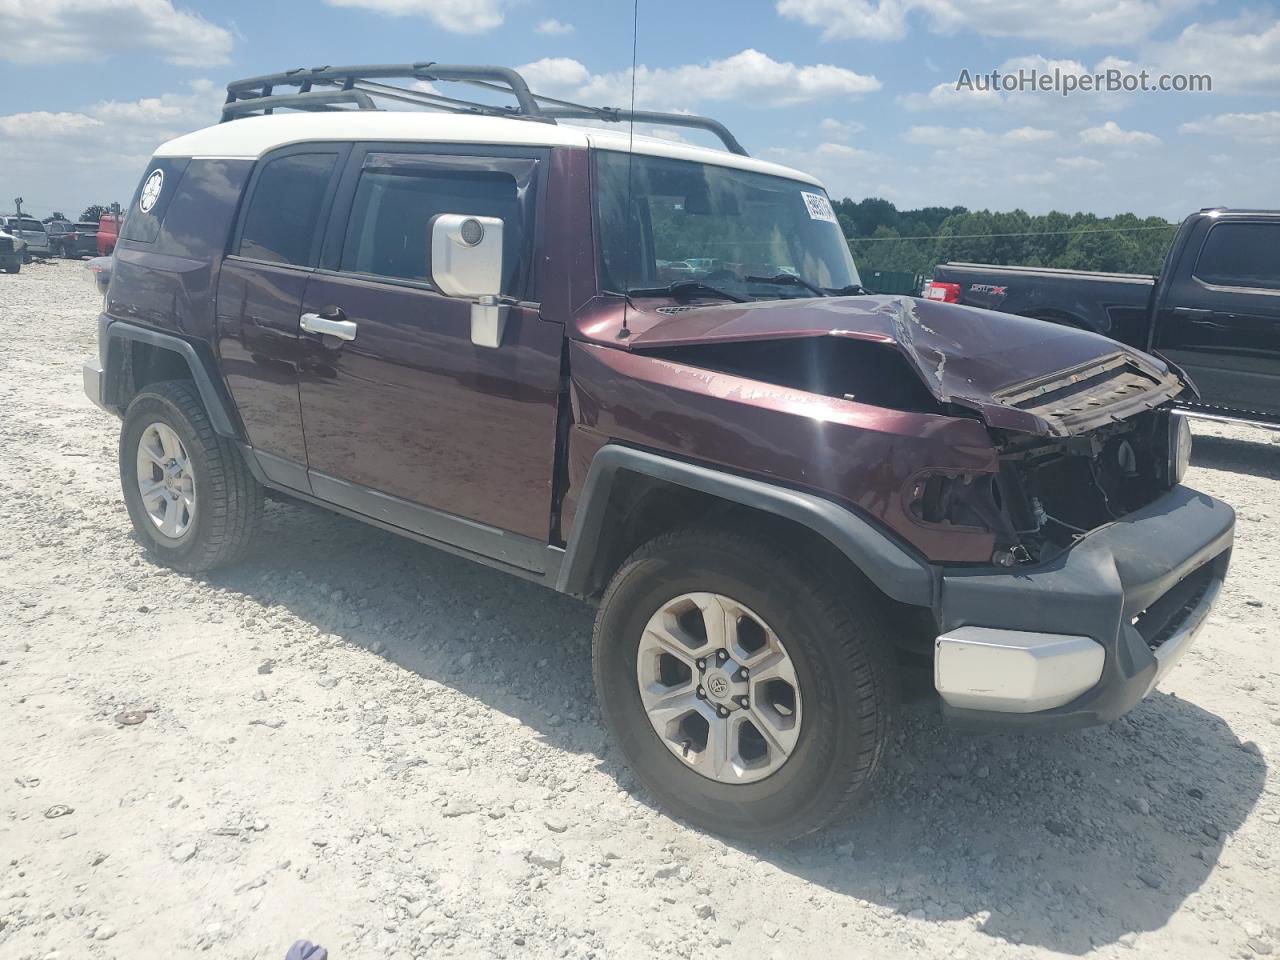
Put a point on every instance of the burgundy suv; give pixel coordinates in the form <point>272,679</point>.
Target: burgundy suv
<point>787,497</point>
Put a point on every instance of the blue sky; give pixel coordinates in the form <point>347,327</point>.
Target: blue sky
<point>860,92</point>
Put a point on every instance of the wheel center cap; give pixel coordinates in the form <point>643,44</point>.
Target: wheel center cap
<point>718,686</point>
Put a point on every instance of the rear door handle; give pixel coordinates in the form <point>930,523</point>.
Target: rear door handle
<point>1191,313</point>
<point>314,323</point>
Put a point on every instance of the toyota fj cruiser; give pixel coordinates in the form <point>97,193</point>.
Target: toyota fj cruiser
<point>644,373</point>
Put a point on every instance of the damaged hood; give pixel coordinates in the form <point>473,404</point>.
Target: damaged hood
<point>1018,373</point>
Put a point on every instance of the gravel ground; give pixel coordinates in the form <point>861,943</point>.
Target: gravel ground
<point>356,739</point>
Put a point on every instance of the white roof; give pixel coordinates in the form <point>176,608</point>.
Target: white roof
<point>251,137</point>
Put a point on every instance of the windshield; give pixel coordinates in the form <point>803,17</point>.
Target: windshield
<point>26,225</point>
<point>716,225</point>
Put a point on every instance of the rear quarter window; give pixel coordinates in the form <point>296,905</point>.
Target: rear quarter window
<point>151,199</point>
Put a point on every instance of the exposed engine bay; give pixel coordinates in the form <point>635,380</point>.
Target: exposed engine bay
<point>1049,493</point>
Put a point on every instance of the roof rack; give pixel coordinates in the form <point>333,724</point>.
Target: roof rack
<point>358,87</point>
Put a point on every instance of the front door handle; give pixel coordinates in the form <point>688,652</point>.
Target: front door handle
<point>314,323</point>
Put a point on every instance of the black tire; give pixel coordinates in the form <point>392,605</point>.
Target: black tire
<point>14,268</point>
<point>228,505</point>
<point>835,633</point>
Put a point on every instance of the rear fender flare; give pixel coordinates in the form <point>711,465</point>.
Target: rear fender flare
<point>217,402</point>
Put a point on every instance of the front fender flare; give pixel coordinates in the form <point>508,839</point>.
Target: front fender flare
<point>893,567</point>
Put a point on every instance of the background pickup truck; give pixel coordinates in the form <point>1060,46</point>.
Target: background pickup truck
<point>1214,309</point>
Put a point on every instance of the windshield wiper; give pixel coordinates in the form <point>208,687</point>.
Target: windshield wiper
<point>849,290</point>
<point>678,288</point>
<point>790,279</point>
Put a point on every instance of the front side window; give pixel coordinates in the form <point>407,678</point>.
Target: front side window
<point>280,224</point>
<point>664,220</point>
<point>389,232</point>
<point>1241,255</point>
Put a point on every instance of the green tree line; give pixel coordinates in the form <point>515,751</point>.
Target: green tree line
<point>878,235</point>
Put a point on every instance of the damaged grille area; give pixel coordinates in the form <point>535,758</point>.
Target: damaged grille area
<point>1107,390</point>
<point>1055,491</point>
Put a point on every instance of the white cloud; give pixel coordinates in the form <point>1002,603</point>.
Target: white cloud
<point>40,125</point>
<point>750,76</point>
<point>1110,135</point>
<point>1083,22</point>
<point>840,129</point>
<point>961,137</point>
<point>1079,163</point>
<point>1241,55</point>
<point>845,154</point>
<point>947,95</point>
<point>555,75</point>
<point>1029,135</point>
<point>59,31</point>
<point>1243,127</point>
<point>553,27</point>
<point>456,16</point>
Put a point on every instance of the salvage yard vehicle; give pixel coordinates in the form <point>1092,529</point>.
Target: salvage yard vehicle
<point>31,232</point>
<point>785,496</point>
<point>73,240</point>
<point>1214,309</point>
<point>107,233</point>
<point>12,252</point>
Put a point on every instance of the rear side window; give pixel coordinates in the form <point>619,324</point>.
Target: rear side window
<point>151,199</point>
<point>1241,255</point>
<point>388,234</point>
<point>284,211</point>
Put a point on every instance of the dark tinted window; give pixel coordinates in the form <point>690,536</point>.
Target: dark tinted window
<point>284,211</point>
<point>1241,255</point>
<point>86,228</point>
<point>389,230</point>
<point>155,190</point>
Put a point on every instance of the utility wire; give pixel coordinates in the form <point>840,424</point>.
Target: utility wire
<point>1041,233</point>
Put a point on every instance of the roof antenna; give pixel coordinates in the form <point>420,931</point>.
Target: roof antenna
<point>631,152</point>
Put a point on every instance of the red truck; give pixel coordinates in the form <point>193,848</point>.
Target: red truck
<point>108,231</point>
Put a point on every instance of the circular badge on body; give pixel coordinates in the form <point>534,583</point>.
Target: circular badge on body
<point>151,191</point>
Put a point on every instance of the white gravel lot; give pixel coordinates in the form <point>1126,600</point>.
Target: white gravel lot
<point>358,740</point>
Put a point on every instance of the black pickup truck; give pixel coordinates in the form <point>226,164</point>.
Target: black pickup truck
<point>1214,310</point>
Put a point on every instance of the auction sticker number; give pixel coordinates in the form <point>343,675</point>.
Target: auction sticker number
<point>151,191</point>
<point>819,207</point>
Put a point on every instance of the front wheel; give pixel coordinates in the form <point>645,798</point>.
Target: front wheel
<point>192,500</point>
<point>750,691</point>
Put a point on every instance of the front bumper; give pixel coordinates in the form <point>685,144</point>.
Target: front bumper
<point>1080,640</point>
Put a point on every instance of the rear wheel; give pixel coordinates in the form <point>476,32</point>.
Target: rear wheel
<point>749,690</point>
<point>14,267</point>
<point>190,495</point>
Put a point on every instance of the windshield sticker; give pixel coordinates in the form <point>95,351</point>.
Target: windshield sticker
<point>819,207</point>
<point>151,191</point>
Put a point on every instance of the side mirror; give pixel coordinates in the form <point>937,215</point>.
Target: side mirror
<point>466,261</point>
